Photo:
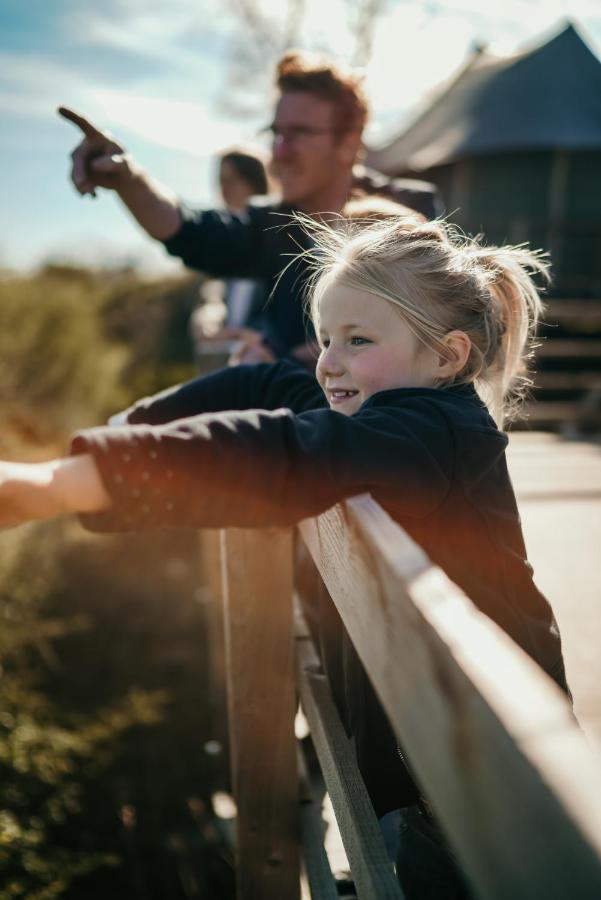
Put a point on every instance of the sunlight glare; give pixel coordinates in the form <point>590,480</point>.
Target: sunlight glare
<point>177,124</point>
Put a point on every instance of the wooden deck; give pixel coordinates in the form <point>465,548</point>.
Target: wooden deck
<point>558,485</point>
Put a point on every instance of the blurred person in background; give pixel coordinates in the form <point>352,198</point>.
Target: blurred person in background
<point>233,303</point>
<point>242,176</point>
<point>316,134</point>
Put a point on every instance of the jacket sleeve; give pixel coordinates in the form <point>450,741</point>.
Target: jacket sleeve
<point>221,244</point>
<point>259,467</point>
<point>265,386</point>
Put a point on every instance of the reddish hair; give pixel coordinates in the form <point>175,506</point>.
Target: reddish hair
<point>301,72</point>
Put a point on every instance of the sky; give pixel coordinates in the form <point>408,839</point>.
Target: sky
<point>158,76</point>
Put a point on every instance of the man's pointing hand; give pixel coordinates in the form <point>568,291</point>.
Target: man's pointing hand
<point>98,160</point>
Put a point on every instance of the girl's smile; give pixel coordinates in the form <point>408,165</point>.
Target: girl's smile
<point>367,347</point>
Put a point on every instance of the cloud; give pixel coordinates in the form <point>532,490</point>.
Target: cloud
<point>154,30</point>
<point>31,86</point>
<point>86,51</point>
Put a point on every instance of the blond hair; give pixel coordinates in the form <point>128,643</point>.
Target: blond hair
<point>441,281</point>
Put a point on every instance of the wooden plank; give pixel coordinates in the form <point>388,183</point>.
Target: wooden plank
<point>317,868</point>
<point>579,348</point>
<point>543,466</point>
<point>557,188</point>
<point>371,868</point>
<point>461,177</point>
<point>510,776</point>
<point>587,311</point>
<point>567,381</point>
<point>262,704</point>
<point>549,411</point>
<point>210,556</point>
<point>322,885</point>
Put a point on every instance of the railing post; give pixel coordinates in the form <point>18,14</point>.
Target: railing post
<point>257,568</point>
<point>210,554</point>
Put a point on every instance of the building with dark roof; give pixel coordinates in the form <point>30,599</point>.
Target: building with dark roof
<point>514,145</point>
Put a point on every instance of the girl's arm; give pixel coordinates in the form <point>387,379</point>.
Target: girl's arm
<point>31,491</point>
<point>43,490</point>
<point>258,468</point>
<point>241,468</point>
<point>283,384</point>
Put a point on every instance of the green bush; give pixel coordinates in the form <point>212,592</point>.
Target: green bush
<point>49,753</point>
<point>77,345</point>
<point>103,711</point>
<point>57,368</point>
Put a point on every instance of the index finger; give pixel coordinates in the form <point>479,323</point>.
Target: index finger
<point>82,123</point>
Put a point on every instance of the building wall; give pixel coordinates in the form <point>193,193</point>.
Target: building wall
<point>552,199</point>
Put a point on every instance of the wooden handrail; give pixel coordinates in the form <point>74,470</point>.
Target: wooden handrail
<point>490,738</point>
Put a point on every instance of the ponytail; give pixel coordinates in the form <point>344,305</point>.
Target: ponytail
<point>510,318</point>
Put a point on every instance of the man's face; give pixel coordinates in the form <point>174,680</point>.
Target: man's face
<point>309,155</point>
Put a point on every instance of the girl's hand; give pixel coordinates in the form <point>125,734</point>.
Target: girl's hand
<point>31,491</point>
<point>249,348</point>
<point>25,493</point>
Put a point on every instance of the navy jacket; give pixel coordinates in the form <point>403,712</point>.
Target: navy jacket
<point>433,458</point>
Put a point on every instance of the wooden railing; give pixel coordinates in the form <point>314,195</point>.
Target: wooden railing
<point>511,778</point>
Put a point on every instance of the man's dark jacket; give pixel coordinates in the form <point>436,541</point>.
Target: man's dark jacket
<point>263,245</point>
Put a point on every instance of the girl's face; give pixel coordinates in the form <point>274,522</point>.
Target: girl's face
<point>366,347</point>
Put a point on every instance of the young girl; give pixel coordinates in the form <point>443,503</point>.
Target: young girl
<point>418,330</point>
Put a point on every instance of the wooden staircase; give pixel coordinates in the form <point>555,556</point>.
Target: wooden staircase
<point>566,395</point>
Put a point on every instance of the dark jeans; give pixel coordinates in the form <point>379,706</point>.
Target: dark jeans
<point>426,867</point>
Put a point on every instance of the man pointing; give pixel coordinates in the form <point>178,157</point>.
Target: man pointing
<point>316,138</point>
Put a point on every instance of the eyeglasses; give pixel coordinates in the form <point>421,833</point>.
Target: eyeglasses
<point>294,134</point>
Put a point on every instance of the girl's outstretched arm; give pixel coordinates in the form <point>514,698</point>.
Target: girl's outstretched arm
<point>31,491</point>
<point>282,384</point>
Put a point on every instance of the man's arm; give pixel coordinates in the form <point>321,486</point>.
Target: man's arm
<point>100,161</point>
<point>220,245</point>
